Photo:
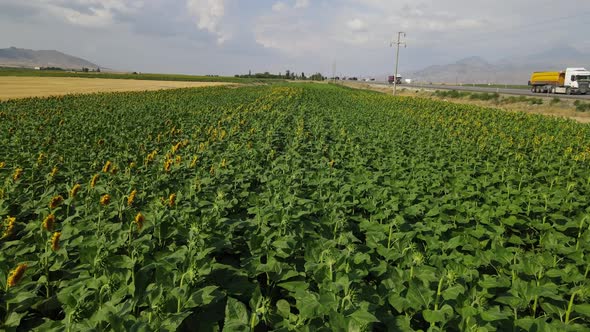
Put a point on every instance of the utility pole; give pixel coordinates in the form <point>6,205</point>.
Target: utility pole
<point>398,43</point>
<point>334,72</point>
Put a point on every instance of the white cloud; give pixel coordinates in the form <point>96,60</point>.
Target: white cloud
<point>279,6</point>
<point>293,34</point>
<point>290,34</point>
<point>87,13</point>
<point>356,25</point>
<point>301,3</point>
<point>209,14</point>
<point>97,18</point>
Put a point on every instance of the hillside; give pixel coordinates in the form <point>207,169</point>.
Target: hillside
<point>20,57</point>
<point>515,70</point>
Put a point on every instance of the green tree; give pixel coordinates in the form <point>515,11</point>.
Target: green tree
<point>317,77</point>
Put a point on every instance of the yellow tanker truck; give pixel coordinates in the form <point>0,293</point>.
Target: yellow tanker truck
<point>570,81</point>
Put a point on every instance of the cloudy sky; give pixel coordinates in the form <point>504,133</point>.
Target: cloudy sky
<point>234,36</point>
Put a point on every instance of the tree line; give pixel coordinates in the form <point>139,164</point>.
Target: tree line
<point>288,75</point>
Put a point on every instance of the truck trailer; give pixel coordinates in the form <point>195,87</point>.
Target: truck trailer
<point>570,81</point>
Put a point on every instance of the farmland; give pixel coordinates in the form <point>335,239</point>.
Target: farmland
<point>550,106</point>
<point>295,207</point>
<point>21,87</point>
<point>23,72</point>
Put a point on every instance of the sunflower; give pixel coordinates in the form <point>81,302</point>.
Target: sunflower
<point>53,171</point>
<point>172,200</point>
<point>107,166</point>
<point>94,180</point>
<point>55,202</point>
<point>167,165</point>
<point>139,220</point>
<point>131,197</point>
<point>74,190</point>
<point>40,158</point>
<point>151,156</point>
<point>17,174</point>
<point>105,199</point>
<point>9,227</point>
<point>176,147</point>
<point>194,161</point>
<point>55,241</point>
<point>48,222</point>
<point>16,275</point>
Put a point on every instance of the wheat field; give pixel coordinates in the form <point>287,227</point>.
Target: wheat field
<point>23,87</point>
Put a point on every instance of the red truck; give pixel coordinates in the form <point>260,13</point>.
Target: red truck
<point>390,79</point>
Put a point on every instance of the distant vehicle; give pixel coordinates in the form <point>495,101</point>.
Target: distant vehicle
<point>398,80</point>
<point>408,81</point>
<point>570,81</point>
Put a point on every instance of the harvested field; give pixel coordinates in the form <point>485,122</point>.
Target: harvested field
<point>22,87</point>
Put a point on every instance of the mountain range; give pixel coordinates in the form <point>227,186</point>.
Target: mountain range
<point>20,57</point>
<point>512,70</point>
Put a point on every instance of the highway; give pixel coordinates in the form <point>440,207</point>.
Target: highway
<point>518,92</point>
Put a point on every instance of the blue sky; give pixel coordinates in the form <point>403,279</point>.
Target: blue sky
<point>234,36</point>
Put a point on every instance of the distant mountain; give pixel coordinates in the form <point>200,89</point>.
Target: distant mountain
<point>20,57</point>
<point>514,70</point>
<point>473,61</point>
<point>556,58</point>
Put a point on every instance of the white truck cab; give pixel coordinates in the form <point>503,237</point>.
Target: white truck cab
<point>577,80</point>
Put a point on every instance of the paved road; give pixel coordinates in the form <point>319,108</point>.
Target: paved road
<point>519,92</point>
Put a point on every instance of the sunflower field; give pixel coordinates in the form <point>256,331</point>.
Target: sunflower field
<point>290,207</point>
